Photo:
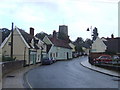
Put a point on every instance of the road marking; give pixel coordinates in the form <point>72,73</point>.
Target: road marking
<point>29,83</point>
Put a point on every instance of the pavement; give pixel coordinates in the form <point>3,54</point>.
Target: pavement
<point>15,79</point>
<point>99,69</point>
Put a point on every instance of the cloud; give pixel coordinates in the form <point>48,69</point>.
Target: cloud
<point>47,15</point>
<point>29,15</point>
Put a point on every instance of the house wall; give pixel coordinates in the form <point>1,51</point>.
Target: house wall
<point>119,19</point>
<point>72,46</point>
<point>60,53</point>
<point>46,40</point>
<point>98,46</point>
<point>0,37</point>
<point>0,54</point>
<point>20,51</point>
<point>33,56</point>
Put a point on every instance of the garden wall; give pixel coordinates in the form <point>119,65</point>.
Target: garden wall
<point>10,66</point>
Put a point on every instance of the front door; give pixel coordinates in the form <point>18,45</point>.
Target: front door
<point>67,55</point>
<point>33,55</point>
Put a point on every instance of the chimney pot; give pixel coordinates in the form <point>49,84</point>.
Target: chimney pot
<point>32,31</point>
<point>54,34</point>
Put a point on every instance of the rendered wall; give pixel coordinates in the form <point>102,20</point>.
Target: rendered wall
<point>119,19</point>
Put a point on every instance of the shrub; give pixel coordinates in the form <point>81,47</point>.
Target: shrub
<point>4,59</point>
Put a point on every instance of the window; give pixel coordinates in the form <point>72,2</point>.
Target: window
<point>56,54</point>
<point>9,43</point>
<point>53,54</point>
<point>50,54</point>
<point>38,57</point>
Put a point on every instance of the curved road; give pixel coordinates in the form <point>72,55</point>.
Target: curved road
<point>68,74</point>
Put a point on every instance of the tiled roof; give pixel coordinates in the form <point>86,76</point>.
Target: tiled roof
<point>59,42</point>
<point>113,44</point>
<point>28,38</point>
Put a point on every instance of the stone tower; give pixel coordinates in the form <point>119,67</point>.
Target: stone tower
<point>63,29</point>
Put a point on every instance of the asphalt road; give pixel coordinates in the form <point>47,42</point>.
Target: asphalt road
<point>68,74</point>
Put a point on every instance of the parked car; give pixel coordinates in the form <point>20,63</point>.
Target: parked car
<point>116,57</point>
<point>46,60</point>
<point>54,60</point>
<point>103,59</point>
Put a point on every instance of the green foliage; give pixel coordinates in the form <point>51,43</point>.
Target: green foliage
<point>5,33</point>
<point>4,59</point>
<point>78,48</point>
<point>88,43</point>
<point>41,35</point>
<point>95,33</point>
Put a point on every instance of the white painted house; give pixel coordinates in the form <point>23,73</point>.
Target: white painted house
<point>110,45</point>
<point>0,54</point>
<point>25,46</point>
<point>98,46</point>
<point>119,19</point>
<point>57,49</point>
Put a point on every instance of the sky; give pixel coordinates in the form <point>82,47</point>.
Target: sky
<point>47,15</point>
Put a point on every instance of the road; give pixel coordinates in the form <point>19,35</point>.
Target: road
<point>68,74</point>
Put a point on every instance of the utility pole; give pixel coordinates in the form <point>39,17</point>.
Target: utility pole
<point>12,41</point>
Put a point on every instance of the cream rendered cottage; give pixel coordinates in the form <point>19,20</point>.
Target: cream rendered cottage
<point>25,46</point>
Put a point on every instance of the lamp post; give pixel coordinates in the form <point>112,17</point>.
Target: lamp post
<point>12,41</point>
<point>90,29</point>
<point>90,57</point>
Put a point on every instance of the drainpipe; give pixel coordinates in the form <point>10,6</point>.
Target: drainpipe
<point>24,55</point>
<point>29,57</point>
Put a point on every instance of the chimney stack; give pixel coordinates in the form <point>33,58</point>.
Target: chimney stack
<point>112,36</point>
<point>54,34</point>
<point>32,31</point>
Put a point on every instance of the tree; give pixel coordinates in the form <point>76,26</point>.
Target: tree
<point>95,34</point>
<point>79,44</point>
<point>78,48</point>
<point>79,41</point>
<point>88,42</point>
<point>5,33</point>
<point>41,35</point>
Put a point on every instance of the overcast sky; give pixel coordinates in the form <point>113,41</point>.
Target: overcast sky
<point>47,15</point>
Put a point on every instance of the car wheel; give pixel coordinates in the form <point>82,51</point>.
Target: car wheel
<point>50,63</point>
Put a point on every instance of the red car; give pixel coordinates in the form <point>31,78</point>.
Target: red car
<point>103,58</point>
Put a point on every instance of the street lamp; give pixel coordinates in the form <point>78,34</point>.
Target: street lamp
<point>90,29</point>
<point>90,58</point>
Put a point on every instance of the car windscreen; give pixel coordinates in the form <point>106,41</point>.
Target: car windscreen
<point>104,57</point>
<point>45,58</point>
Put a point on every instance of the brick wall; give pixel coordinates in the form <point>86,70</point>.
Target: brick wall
<point>8,67</point>
<point>95,55</point>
